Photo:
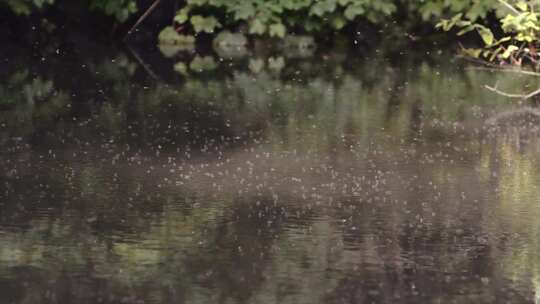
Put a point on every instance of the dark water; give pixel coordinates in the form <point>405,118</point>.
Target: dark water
<point>300,177</point>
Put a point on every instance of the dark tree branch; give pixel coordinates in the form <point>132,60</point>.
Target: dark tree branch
<point>143,17</point>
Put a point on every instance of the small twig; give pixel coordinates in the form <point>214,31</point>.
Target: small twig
<point>510,7</point>
<point>494,89</point>
<point>510,95</point>
<point>532,94</point>
<point>142,63</point>
<point>142,17</point>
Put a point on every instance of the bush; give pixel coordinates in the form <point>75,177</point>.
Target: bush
<point>519,23</point>
<point>276,18</point>
<point>120,9</point>
<point>25,7</point>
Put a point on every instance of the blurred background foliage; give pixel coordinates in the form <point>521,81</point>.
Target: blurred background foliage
<point>119,9</point>
<point>275,18</point>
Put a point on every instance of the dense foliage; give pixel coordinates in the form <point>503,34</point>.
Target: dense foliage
<point>25,7</point>
<point>521,32</point>
<point>120,9</point>
<point>276,18</point>
<point>518,19</point>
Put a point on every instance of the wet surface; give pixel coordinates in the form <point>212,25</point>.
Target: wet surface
<point>325,177</point>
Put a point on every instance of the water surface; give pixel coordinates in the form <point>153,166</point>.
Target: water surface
<point>311,177</point>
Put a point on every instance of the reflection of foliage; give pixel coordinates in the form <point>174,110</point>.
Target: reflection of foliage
<point>169,36</point>
<point>296,94</point>
<point>26,99</point>
<point>120,9</point>
<point>200,64</point>
<point>25,7</point>
<point>265,90</point>
<point>509,168</point>
<point>31,102</point>
<point>32,90</point>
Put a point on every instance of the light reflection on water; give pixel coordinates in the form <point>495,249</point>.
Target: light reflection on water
<point>309,181</point>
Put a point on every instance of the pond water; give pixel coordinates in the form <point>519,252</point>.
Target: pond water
<point>325,176</point>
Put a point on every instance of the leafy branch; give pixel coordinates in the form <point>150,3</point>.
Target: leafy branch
<point>521,29</point>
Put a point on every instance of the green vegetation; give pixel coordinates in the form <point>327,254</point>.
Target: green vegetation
<point>521,32</point>
<point>277,18</point>
<point>239,19</point>
<point>271,85</point>
<point>120,9</point>
<point>25,7</point>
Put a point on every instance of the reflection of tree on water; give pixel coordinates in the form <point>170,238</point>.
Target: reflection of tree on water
<point>509,167</point>
<point>243,246</point>
<point>173,247</point>
<point>332,91</point>
<point>364,246</point>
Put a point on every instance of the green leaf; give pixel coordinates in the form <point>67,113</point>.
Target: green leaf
<point>244,11</point>
<point>353,11</point>
<point>276,64</point>
<point>509,51</point>
<point>201,64</point>
<point>181,68</point>
<point>277,30</point>
<point>522,5</point>
<point>257,27</point>
<point>486,34</point>
<point>169,36</point>
<point>204,24</point>
<point>466,29</point>
<point>182,16</point>
<point>472,52</point>
<point>256,65</point>
<point>338,22</point>
<point>322,7</point>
